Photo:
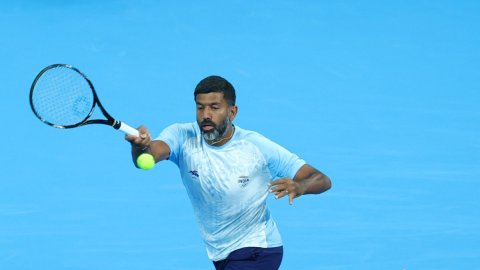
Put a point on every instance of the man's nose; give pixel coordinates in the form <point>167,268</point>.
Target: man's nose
<point>207,113</point>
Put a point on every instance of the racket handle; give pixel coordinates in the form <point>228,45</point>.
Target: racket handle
<point>128,129</point>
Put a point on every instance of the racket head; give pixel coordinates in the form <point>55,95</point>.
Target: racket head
<point>62,96</point>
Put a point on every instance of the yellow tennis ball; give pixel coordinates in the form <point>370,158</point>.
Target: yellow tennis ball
<point>145,161</point>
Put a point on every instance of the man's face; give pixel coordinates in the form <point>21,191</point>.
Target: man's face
<point>214,116</point>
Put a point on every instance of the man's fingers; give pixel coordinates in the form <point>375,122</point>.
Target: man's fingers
<point>130,138</point>
<point>278,188</point>
<point>283,187</point>
<point>278,182</point>
<point>142,140</point>
<point>280,191</point>
<point>290,198</point>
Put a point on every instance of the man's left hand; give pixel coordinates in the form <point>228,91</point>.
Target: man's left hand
<point>285,186</point>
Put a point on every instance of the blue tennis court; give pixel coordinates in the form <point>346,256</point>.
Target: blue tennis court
<point>383,97</point>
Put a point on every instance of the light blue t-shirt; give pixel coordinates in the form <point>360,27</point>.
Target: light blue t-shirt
<point>227,185</point>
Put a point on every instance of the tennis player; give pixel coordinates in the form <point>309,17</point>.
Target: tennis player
<point>228,173</point>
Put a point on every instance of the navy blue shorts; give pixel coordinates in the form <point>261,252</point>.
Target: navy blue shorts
<point>252,258</point>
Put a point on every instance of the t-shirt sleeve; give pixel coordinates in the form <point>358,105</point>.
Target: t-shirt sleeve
<point>281,162</point>
<point>173,136</point>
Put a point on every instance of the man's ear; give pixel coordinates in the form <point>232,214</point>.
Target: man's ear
<point>233,112</point>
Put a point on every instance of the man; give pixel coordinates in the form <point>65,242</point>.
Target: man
<point>228,172</point>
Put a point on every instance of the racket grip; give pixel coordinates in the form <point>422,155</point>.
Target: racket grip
<point>128,129</point>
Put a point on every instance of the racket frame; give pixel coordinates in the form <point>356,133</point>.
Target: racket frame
<point>110,121</point>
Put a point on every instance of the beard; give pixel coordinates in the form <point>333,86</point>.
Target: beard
<point>218,131</point>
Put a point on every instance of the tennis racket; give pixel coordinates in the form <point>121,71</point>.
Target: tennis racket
<point>62,96</point>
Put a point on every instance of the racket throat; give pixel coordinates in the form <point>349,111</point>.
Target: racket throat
<point>116,124</point>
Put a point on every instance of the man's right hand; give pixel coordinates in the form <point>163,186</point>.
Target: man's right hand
<point>142,142</point>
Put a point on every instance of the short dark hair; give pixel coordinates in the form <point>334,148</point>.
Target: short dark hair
<point>216,84</point>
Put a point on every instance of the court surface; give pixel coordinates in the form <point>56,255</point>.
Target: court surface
<point>381,96</point>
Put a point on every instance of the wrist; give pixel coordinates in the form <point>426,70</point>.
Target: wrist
<point>141,148</point>
<point>301,187</point>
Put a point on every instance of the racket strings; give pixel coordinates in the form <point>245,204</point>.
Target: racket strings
<point>62,97</point>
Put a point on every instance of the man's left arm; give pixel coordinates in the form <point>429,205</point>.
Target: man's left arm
<point>307,180</point>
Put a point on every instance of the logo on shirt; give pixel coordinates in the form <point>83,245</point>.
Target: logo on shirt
<point>243,181</point>
<point>194,173</point>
